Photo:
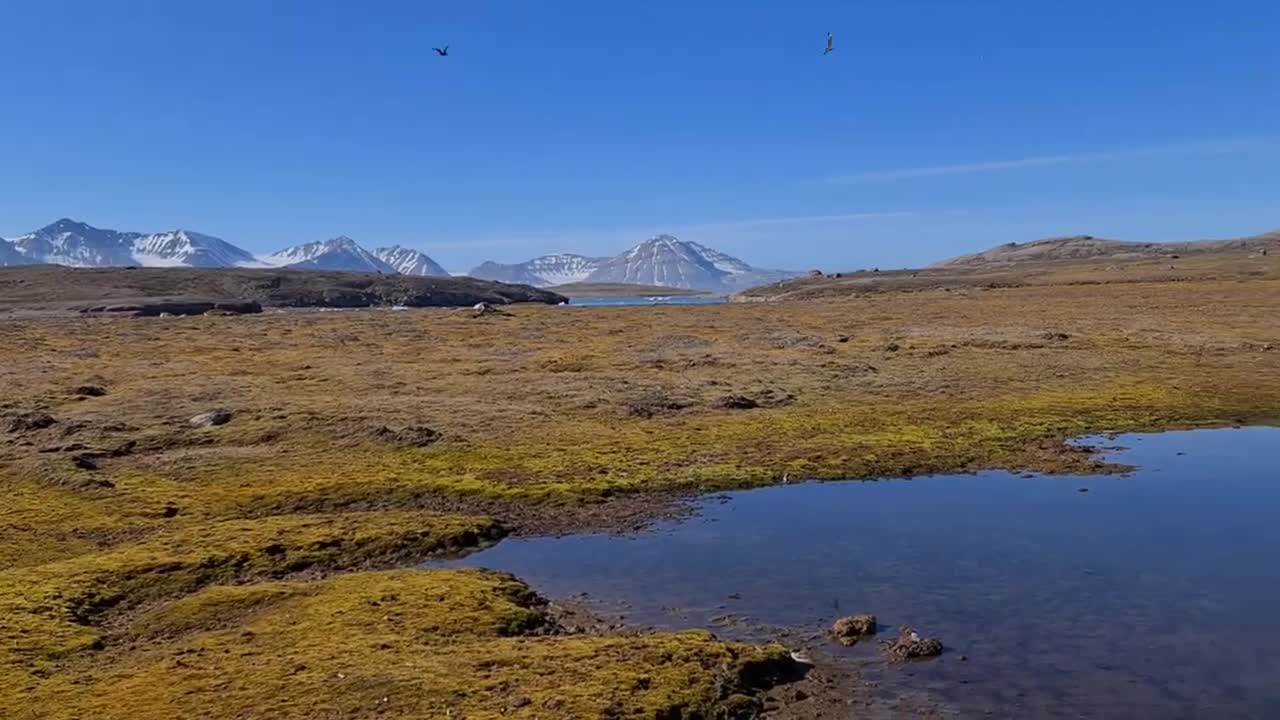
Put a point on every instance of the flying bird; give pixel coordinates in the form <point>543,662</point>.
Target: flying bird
<point>442,52</point>
<point>831,45</point>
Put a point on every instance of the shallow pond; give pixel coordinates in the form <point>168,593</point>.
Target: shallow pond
<point>1154,594</point>
<point>646,300</point>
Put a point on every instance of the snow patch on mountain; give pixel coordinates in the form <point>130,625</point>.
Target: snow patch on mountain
<point>10,256</point>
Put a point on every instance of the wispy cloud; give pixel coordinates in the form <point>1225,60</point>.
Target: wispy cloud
<point>754,223</point>
<point>1216,147</point>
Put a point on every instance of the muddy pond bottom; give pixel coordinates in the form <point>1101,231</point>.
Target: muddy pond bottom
<point>1154,594</point>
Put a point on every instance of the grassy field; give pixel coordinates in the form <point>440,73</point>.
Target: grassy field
<point>263,568</point>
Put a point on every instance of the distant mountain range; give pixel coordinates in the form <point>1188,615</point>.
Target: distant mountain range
<point>660,261</point>
<point>77,244</point>
<point>663,260</point>
<point>1085,247</point>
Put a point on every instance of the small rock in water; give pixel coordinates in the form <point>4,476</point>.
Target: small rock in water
<point>911,646</point>
<point>849,630</point>
<point>212,418</point>
<point>1083,489</point>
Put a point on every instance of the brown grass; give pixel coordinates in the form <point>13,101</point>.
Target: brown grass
<point>575,411</point>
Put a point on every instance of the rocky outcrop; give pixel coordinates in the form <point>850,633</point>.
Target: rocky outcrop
<point>193,291</point>
<point>177,307</point>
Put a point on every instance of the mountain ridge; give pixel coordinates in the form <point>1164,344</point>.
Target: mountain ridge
<point>73,243</point>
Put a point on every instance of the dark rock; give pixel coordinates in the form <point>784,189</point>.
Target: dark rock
<point>849,630</point>
<point>213,418</point>
<point>29,421</point>
<point>910,646</point>
<point>84,462</point>
<point>1082,490</point>
<point>410,436</point>
<point>736,402</point>
<point>1055,336</point>
<point>90,391</point>
<point>842,338</point>
<point>893,347</point>
<point>170,510</point>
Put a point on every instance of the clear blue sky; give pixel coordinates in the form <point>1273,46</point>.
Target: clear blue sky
<point>938,126</point>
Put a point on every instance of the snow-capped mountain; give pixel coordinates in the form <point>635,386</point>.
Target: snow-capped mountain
<point>408,261</point>
<point>67,242</point>
<point>183,248</point>
<point>663,260</point>
<point>77,244</point>
<point>340,253</point>
<point>546,270</point>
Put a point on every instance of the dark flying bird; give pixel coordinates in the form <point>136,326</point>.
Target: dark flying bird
<point>831,45</point>
<point>442,52</point>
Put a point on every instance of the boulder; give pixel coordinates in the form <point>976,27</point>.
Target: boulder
<point>90,391</point>
<point>736,402</point>
<point>849,630</point>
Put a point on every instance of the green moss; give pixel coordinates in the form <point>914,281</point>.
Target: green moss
<point>57,610</point>
<point>412,644</point>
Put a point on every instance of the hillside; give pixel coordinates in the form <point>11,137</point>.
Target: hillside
<point>56,288</point>
<point>1085,247</point>
<point>1225,264</point>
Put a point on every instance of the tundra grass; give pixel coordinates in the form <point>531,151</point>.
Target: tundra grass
<point>149,568</point>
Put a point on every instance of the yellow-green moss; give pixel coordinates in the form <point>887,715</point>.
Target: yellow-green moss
<point>411,644</point>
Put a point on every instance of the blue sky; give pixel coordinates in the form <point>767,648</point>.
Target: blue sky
<point>937,126</point>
